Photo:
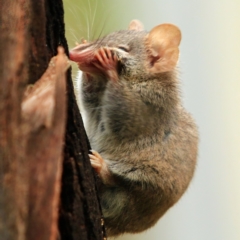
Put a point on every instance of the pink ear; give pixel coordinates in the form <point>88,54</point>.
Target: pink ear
<point>135,25</point>
<point>162,43</point>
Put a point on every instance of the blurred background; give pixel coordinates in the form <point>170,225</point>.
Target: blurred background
<point>210,75</point>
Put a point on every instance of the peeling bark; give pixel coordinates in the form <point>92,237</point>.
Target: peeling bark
<point>47,185</point>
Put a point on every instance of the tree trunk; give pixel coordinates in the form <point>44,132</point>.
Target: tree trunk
<point>47,185</point>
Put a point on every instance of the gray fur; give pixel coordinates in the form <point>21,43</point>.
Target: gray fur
<point>141,130</point>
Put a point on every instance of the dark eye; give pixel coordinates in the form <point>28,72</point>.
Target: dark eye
<point>125,48</point>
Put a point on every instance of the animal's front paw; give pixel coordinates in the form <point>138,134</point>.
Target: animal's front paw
<point>97,161</point>
<point>107,62</point>
<point>101,167</point>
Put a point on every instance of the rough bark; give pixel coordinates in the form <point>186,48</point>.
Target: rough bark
<point>35,157</point>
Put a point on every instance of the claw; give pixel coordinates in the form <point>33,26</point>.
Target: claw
<point>107,62</point>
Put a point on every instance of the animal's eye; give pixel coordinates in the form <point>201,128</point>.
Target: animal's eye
<point>125,48</point>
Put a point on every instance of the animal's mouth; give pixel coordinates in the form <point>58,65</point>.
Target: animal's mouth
<point>89,67</point>
<point>82,53</point>
<point>96,61</point>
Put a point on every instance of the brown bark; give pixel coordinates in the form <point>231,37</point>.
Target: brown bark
<point>32,126</point>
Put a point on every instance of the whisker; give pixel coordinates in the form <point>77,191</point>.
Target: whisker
<point>94,15</point>
<point>73,33</point>
<point>86,19</point>
<point>90,10</point>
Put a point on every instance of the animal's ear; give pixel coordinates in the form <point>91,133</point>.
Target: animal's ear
<point>135,25</point>
<point>162,43</point>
